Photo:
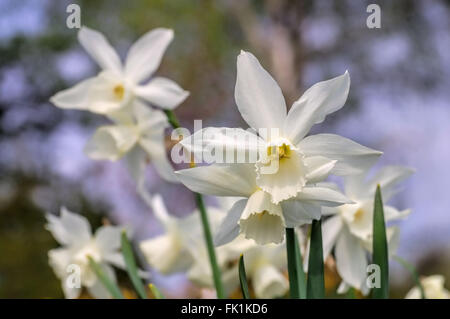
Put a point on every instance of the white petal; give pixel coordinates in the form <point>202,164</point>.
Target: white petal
<point>297,213</point>
<point>155,147</point>
<point>314,105</point>
<point>166,254</point>
<point>258,97</point>
<point>223,145</point>
<point>162,92</point>
<point>322,196</point>
<point>352,157</point>
<point>69,292</point>
<point>77,227</point>
<point>108,239</point>
<point>269,282</point>
<point>331,228</point>
<point>220,180</point>
<point>100,50</point>
<point>392,213</point>
<point>146,53</point>
<point>388,177</point>
<point>136,162</point>
<point>76,97</point>
<point>229,229</point>
<point>351,260</point>
<point>262,220</point>
<point>319,168</point>
<point>59,259</point>
<point>111,142</point>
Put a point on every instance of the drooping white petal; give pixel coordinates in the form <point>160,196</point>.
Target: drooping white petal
<point>297,213</point>
<point>136,162</point>
<point>111,142</point>
<point>262,220</point>
<point>59,259</point>
<point>314,105</point>
<point>146,53</point>
<point>331,228</point>
<point>322,196</point>
<point>224,145</point>
<point>220,180</point>
<point>108,239</point>
<point>269,282</point>
<point>100,50</point>
<point>162,92</point>
<point>319,168</point>
<point>229,229</point>
<point>351,260</point>
<point>352,157</point>
<point>258,97</point>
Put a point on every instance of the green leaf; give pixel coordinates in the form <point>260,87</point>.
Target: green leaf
<point>156,292</point>
<point>132,269</point>
<point>292,259</point>
<point>413,272</point>
<point>243,278</point>
<point>316,281</point>
<point>301,271</point>
<point>109,285</point>
<point>380,248</point>
<point>351,293</point>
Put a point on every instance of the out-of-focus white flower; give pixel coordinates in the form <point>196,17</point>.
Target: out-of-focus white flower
<point>182,249</point>
<point>73,232</point>
<point>349,229</point>
<point>136,130</point>
<point>281,186</point>
<point>117,85</point>
<point>433,287</point>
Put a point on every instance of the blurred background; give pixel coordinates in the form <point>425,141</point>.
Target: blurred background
<point>399,103</point>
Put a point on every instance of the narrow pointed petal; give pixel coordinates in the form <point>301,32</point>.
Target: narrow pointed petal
<point>162,92</point>
<point>258,97</point>
<point>146,53</point>
<point>229,229</point>
<point>331,229</point>
<point>314,105</point>
<point>100,50</point>
<point>352,158</point>
<point>220,180</point>
<point>322,196</point>
<point>319,168</point>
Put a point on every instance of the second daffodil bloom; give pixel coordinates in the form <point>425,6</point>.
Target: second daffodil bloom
<point>289,166</point>
<point>73,232</point>
<point>433,287</point>
<point>350,227</point>
<point>117,85</point>
<point>137,132</point>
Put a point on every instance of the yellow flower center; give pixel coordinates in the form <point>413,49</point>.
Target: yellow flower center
<point>359,213</point>
<point>283,151</point>
<point>119,91</point>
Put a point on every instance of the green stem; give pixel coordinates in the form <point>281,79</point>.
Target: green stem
<point>243,278</point>
<point>413,272</point>
<point>210,246</point>
<point>293,267</point>
<point>301,271</point>
<point>206,229</point>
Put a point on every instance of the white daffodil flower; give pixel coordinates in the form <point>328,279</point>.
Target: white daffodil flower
<point>117,85</point>
<point>136,130</point>
<point>433,287</point>
<point>288,161</point>
<point>256,216</point>
<point>349,229</point>
<point>73,232</point>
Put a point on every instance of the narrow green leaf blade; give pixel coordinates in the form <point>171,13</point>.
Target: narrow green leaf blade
<point>292,259</point>
<point>156,292</point>
<point>243,278</point>
<point>380,248</point>
<point>413,272</point>
<point>316,280</point>
<point>109,285</point>
<point>132,269</point>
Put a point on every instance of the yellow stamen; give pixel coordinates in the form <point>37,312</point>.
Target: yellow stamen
<point>359,213</point>
<point>119,91</point>
<point>283,151</point>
